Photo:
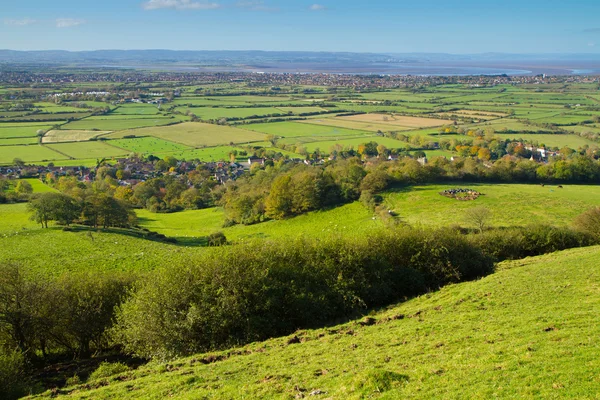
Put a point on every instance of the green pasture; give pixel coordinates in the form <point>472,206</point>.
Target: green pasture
<point>196,134</point>
<point>28,153</point>
<point>115,124</point>
<point>300,129</point>
<point>17,141</point>
<point>87,150</point>
<point>326,145</point>
<point>558,140</point>
<point>21,131</point>
<point>148,145</point>
<point>343,220</point>
<point>207,113</point>
<point>510,204</point>
<point>136,109</point>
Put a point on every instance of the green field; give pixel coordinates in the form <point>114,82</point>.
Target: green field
<point>14,141</point>
<point>469,340</point>
<point>60,135</point>
<point>572,141</point>
<point>196,134</point>
<point>117,124</point>
<point>297,129</point>
<point>88,150</point>
<point>511,204</point>
<point>207,113</point>
<point>28,153</point>
<point>148,145</point>
<point>21,131</point>
<point>354,143</point>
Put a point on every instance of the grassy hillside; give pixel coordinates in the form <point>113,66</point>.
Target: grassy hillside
<point>527,331</point>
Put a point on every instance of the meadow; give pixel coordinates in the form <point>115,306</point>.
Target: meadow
<point>28,153</point>
<point>148,145</point>
<point>24,130</point>
<point>471,335</point>
<point>87,150</point>
<point>196,134</point>
<point>60,135</point>
<point>116,124</point>
<point>298,129</point>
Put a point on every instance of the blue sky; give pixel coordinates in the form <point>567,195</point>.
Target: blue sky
<point>467,26</point>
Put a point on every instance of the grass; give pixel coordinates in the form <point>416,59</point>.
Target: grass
<point>88,150</point>
<point>59,135</point>
<point>207,113</point>
<point>355,142</point>
<point>511,204</point>
<point>296,129</point>
<point>148,145</point>
<point>16,141</point>
<point>116,124</point>
<point>363,126</point>
<point>197,134</point>
<point>28,153</point>
<point>398,120</point>
<point>514,334</point>
<point>350,218</point>
<point>21,131</point>
<point>572,141</point>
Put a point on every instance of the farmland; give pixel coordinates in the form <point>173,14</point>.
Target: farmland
<point>196,134</point>
<point>313,226</point>
<point>546,114</point>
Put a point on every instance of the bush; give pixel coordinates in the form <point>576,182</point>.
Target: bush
<point>256,291</point>
<point>519,242</point>
<point>217,239</point>
<point>106,370</point>
<point>12,366</point>
<point>589,222</point>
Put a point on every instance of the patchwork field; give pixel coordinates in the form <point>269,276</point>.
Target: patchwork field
<point>60,135</point>
<point>399,120</point>
<point>85,150</point>
<point>148,145</point>
<point>363,126</point>
<point>196,134</point>
<point>303,129</point>
<point>24,130</point>
<point>28,153</point>
<point>116,124</point>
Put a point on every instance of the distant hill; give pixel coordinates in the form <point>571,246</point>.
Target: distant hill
<point>528,331</point>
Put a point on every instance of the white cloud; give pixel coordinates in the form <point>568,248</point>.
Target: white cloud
<point>68,22</point>
<point>19,22</point>
<point>180,5</point>
<point>592,44</point>
<point>317,7</point>
<point>255,5</point>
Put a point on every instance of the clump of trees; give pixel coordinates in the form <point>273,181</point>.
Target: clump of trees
<point>97,210</point>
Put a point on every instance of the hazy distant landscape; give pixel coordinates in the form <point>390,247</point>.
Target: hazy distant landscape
<point>314,62</point>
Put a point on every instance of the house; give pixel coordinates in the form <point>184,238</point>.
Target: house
<point>256,160</point>
<point>393,157</point>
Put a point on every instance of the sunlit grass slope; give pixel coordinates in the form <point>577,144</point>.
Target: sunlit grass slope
<point>528,331</point>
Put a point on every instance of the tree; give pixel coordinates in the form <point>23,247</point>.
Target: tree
<point>23,188</point>
<point>53,207</point>
<point>478,216</point>
<point>279,203</point>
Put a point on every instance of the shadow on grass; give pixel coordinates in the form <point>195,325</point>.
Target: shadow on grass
<point>201,241</point>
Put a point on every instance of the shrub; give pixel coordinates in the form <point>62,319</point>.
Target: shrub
<point>259,290</point>
<point>589,222</point>
<point>106,370</point>
<point>217,239</point>
<point>12,366</point>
